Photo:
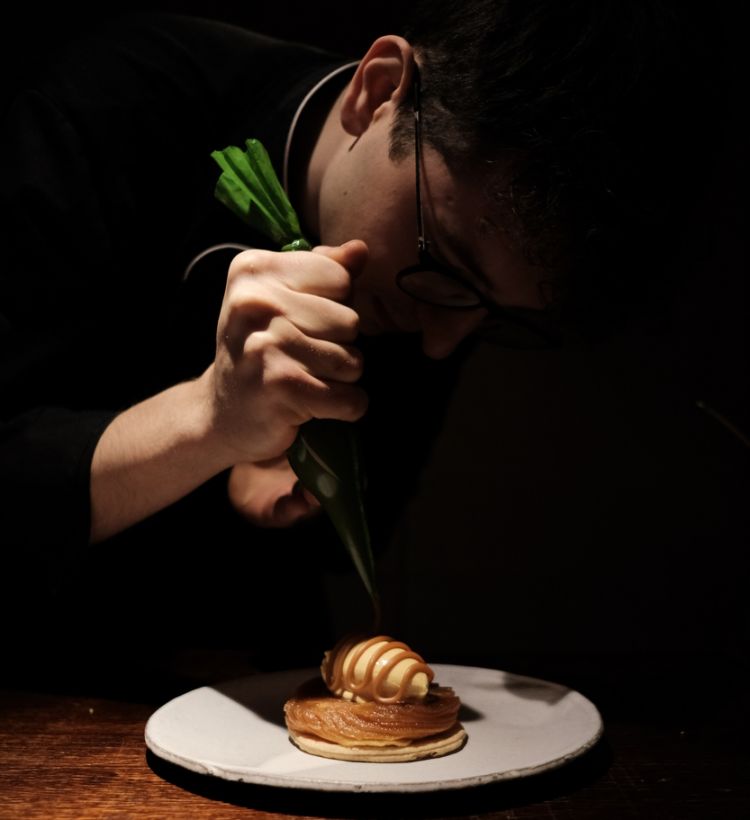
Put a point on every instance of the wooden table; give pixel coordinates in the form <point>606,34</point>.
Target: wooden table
<point>675,746</point>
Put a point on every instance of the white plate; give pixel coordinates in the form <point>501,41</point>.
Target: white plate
<point>517,726</point>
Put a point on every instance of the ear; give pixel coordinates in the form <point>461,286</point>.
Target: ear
<point>382,80</point>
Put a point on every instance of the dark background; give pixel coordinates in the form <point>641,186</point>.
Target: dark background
<point>29,33</point>
<point>573,501</point>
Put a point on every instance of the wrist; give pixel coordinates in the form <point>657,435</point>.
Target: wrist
<point>203,424</point>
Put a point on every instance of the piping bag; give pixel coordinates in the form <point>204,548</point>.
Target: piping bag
<point>326,454</point>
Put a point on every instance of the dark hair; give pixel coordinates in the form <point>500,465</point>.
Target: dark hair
<point>581,115</point>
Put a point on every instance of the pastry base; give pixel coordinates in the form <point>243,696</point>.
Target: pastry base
<point>435,746</point>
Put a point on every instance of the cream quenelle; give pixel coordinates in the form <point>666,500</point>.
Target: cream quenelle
<point>375,669</point>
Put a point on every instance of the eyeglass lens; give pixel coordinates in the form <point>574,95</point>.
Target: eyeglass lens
<point>437,288</point>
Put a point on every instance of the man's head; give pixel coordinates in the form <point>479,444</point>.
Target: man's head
<point>355,189</point>
<point>580,117</point>
<point>546,129</point>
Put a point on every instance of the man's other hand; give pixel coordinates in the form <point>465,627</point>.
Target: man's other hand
<point>269,494</point>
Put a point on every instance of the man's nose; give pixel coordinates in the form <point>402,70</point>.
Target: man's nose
<point>443,329</point>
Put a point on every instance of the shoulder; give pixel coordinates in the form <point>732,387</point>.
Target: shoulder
<point>146,56</point>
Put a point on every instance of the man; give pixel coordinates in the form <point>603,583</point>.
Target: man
<point>285,351</point>
<point>514,206</point>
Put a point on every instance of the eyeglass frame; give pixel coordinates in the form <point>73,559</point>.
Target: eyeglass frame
<point>529,319</point>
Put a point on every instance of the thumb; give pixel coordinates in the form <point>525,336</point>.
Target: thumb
<point>352,255</point>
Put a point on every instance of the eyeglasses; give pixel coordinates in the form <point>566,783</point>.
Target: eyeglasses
<point>435,283</point>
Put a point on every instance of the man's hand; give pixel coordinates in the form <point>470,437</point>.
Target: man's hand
<point>284,353</point>
<point>270,494</point>
<point>283,356</point>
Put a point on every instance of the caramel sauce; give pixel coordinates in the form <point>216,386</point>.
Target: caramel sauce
<point>314,712</point>
<point>373,683</point>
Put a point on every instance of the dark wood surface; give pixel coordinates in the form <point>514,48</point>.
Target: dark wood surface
<point>675,746</point>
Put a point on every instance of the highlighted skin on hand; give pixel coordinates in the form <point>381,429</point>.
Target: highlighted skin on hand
<point>284,350</point>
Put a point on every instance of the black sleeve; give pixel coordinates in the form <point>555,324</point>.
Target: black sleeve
<point>52,242</point>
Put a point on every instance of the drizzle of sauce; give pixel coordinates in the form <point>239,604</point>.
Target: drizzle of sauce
<point>373,685</point>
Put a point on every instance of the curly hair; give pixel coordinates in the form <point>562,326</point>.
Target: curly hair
<point>580,116</point>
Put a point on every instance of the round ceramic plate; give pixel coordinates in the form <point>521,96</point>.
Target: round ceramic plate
<point>516,726</point>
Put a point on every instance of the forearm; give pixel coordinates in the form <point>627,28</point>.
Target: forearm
<point>152,455</point>
<point>284,355</point>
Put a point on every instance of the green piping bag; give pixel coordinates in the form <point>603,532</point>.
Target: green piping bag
<point>325,455</point>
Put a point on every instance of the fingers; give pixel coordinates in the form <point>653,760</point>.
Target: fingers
<point>284,352</point>
<point>302,377</point>
<point>289,509</point>
<point>325,360</point>
<point>307,288</point>
<point>330,400</point>
<point>326,271</point>
<point>284,332</point>
<point>252,304</point>
<point>352,255</point>
<point>299,396</point>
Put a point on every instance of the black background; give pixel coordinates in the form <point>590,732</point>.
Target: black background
<point>572,502</point>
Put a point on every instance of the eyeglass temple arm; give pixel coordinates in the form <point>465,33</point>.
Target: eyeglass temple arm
<point>422,243</point>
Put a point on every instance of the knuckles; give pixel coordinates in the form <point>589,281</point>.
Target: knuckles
<point>348,321</point>
<point>338,281</point>
<point>283,375</point>
<point>350,366</point>
<point>303,271</point>
<point>255,308</point>
<point>251,262</point>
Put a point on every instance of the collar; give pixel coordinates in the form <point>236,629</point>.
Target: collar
<point>298,113</point>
